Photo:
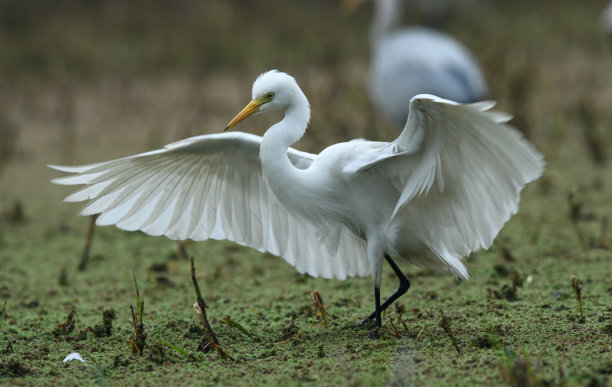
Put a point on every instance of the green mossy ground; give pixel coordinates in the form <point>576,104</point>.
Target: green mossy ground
<point>82,88</point>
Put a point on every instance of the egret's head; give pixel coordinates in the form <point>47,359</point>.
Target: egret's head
<point>272,90</point>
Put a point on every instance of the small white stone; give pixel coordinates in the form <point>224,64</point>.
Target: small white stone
<point>74,356</point>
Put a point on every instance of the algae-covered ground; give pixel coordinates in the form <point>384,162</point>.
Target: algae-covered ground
<point>84,82</point>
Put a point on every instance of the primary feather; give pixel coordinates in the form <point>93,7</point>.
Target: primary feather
<point>211,186</point>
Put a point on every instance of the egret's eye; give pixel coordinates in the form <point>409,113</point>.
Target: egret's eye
<point>269,95</point>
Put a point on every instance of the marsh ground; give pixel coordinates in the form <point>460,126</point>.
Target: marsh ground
<point>83,83</point>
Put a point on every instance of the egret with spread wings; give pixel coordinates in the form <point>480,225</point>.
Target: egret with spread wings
<point>441,190</point>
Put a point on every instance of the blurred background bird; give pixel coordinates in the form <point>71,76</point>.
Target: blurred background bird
<point>409,61</point>
<point>606,18</point>
<point>441,190</point>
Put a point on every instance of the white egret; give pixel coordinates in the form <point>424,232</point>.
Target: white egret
<point>417,60</point>
<point>440,191</point>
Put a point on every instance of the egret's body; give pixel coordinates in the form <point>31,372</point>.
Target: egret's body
<point>441,190</point>
<point>417,60</point>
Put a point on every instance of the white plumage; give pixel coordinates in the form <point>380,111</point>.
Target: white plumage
<point>205,187</point>
<point>442,189</point>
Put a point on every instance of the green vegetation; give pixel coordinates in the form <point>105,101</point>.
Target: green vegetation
<point>84,83</point>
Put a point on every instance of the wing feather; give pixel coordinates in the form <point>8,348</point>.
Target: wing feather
<point>460,171</point>
<point>212,186</point>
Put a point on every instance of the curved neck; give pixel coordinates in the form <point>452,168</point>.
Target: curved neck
<point>387,15</point>
<point>284,178</point>
<point>280,136</point>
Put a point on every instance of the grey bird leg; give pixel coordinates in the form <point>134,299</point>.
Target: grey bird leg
<point>404,285</point>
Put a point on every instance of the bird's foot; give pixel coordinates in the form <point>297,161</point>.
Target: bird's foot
<point>374,333</point>
<point>369,322</point>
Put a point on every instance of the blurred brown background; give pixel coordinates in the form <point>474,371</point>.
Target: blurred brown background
<point>85,81</point>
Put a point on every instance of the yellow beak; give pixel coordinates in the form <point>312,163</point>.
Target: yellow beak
<point>244,113</point>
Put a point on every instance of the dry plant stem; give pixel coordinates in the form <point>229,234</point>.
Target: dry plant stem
<point>420,333</point>
<point>177,349</point>
<point>228,320</point>
<point>88,242</point>
<point>395,333</point>
<point>400,310</point>
<point>577,285</point>
<point>137,342</point>
<point>66,327</point>
<point>295,336</point>
<point>445,324</point>
<point>317,300</point>
<point>200,309</point>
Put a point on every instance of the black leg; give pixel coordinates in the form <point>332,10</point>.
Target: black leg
<point>404,285</point>
<point>377,303</point>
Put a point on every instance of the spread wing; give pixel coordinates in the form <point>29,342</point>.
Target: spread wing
<point>211,186</point>
<point>460,170</point>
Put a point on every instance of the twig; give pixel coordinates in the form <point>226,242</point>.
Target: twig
<point>420,333</point>
<point>88,242</point>
<point>445,324</point>
<point>577,285</point>
<point>137,341</point>
<point>317,300</point>
<point>291,331</point>
<point>65,328</point>
<point>395,332</point>
<point>400,309</point>
<point>228,320</point>
<point>177,349</point>
<point>200,309</point>
<point>296,336</point>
